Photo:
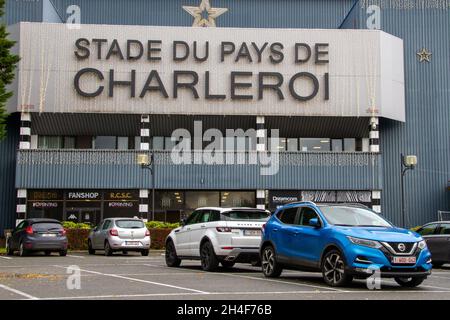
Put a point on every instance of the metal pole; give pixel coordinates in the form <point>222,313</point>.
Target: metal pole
<point>153,186</point>
<point>402,187</point>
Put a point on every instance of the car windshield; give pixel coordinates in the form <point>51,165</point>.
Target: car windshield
<point>353,217</point>
<point>250,215</point>
<point>130,224</point>
<point>46,226</point>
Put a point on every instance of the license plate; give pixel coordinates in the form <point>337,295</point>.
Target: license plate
<point>252,233</point>
<point>404,260</point>
<point>48,235</point>
<point>132,243</point>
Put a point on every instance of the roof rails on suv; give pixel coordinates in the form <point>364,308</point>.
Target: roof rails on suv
<point>357,205</point>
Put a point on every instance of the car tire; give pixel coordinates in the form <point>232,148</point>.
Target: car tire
<point>9,250</point>
<point>269,264</point>
<point>172,259</point>
<point>145,253</point>
<point>333,269</point>
<point>208,258</point>
<point>90,249</point>
<point>22,251</point>
<point>47,253</point>
<point>437,264</point>
<point>409,282</point>
<point>108,250</point>
<point>227,264</point>
<point>63,253</point>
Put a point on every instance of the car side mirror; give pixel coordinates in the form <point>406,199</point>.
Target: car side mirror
<point>183,222</point>
<point>314,222</point>
<point>95,229</point>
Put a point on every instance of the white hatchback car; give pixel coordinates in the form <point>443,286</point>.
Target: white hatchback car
<point>217,235</point>
<point>120,234</point>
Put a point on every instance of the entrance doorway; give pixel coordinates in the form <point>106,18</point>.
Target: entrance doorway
<point>84,215</point>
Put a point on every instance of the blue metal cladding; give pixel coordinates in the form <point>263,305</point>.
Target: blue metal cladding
<point>241,13</point>
<point>76,169</point>
<point>426,132</point>
<point>22,10</point>
<point>8,148</point>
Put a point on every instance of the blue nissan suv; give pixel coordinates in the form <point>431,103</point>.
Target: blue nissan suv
<point>342,241</point>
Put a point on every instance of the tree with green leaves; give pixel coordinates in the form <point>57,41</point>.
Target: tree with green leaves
<point>8,63</point>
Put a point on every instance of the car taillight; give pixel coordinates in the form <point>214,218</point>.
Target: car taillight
<point>29,230</point>
<point>223,229</point>
<point>263,227</point>
<point>113,232</point>
<point>147,233</point>
<point>63,232</point>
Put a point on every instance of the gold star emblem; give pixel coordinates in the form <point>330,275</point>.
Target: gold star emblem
<point>204,7</point>
<point>424,55</point>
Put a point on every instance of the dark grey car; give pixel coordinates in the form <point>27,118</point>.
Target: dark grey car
<point>47,235</point>
<point>437,237</point>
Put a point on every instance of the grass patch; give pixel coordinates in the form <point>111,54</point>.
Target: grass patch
<point>2,250</point>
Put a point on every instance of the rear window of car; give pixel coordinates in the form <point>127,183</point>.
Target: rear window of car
<point>130,224</point>
<point>46,226</point>
<point>246,215</point>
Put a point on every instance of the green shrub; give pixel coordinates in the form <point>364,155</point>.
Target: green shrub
<point>74,225</point>
<point>161,225</point>
<point>2,250</point>
<point>415,228</point>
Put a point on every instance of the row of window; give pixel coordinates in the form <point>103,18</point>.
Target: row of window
<point>166,143</point>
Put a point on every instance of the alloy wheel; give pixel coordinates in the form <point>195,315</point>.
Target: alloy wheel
<point>334,268</point>
<point>268,261</point>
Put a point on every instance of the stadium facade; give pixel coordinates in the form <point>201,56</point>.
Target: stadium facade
<point>346,86</point>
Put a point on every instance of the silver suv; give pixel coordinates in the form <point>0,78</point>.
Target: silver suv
<point>120,234</point>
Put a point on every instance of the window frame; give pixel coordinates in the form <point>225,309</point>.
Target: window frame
<point>280,214</point>
<point>300,217</point>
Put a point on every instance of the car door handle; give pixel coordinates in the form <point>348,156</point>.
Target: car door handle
<point>203,226</point>
<point>275,230</point>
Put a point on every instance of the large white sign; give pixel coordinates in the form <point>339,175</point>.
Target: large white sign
<point>217,71</point>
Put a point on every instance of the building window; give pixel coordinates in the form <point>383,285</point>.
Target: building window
<point>292,144</point>
<point>315,144</point>
<point>158,143</point>
<point>237,199</point>
<point>105,142</point>
<point>336,145</point>
<point>197,199</point>
<point>49,142</point>
<point>350,145</point>
<point>69,142</point>
<point>122,143</point>
<point>84,142</point>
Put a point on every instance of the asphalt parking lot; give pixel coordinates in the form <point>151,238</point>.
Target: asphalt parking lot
<point>135,277</point>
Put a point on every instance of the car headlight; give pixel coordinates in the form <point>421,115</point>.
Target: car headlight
<point>365,242</point>
<point>422,245</point>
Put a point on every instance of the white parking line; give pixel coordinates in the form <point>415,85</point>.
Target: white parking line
<point>190,294</point>
<point>18,292</point>
<point>73,256</point>
<point>284,282</point>
<point>7,258</point>
<point>140,280</point>
<point>422,286</point>
<point>269,280</point>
